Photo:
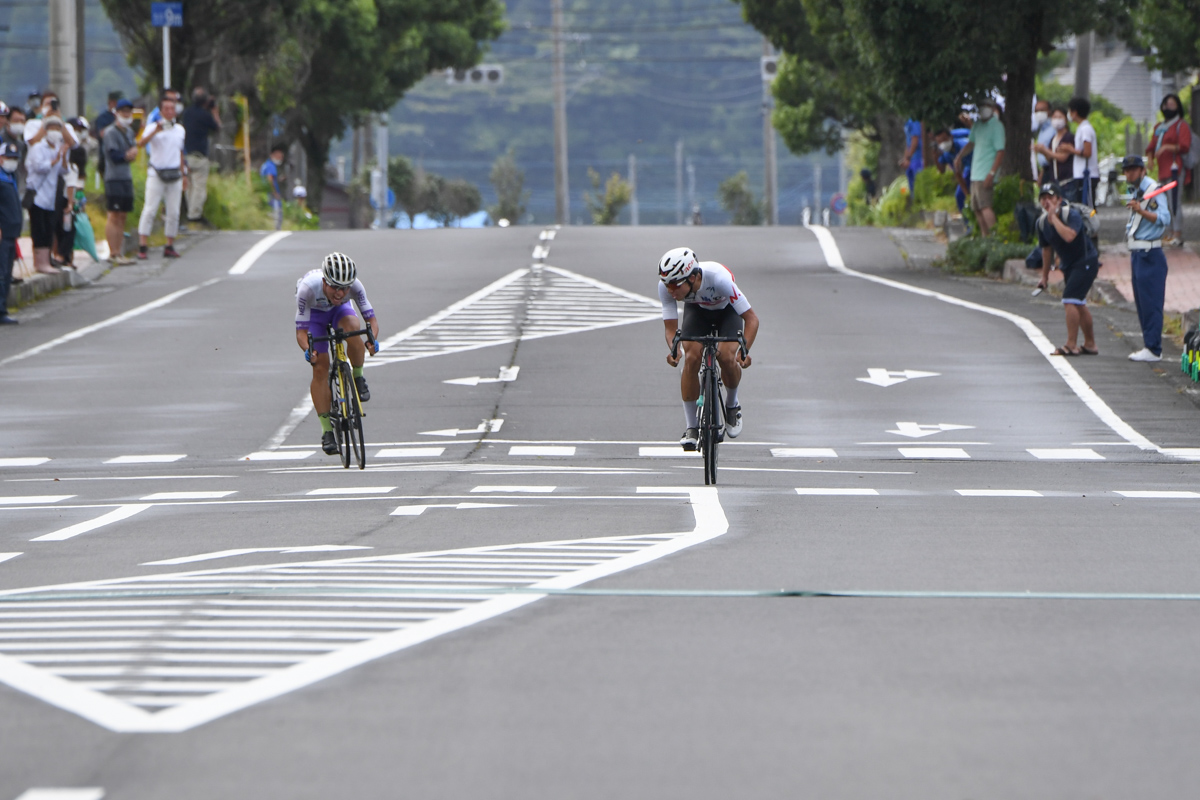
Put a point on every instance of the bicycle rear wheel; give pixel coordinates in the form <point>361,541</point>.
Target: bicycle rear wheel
<point>354,430</point>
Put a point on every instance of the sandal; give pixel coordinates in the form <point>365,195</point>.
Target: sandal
<point>1084,351</point>
<point>1063,351</point>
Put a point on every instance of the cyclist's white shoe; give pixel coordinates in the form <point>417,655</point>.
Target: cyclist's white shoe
<point>733,422</point>
<point>689,440</point>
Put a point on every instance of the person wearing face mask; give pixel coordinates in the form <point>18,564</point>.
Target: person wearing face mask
<point>1085,168</point>
<point>49,108</point>
<point>270,173</point>
<point>949,144</point>
<point>46,161</point>
<point>1043,132</point>
<point>985,145</point>
<point>119,150</point>
<point>166,180</point>
<point>1057,167</point>
<point>70,189</point>
<point>1169,149</point>
<point>14,134</point>
<point>11,221</point>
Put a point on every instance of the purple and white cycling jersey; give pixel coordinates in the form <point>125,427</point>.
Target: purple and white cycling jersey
<point>316,313</point>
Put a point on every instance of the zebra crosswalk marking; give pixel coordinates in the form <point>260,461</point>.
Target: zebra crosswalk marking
<point>169,652</point>
<point>530,303</point>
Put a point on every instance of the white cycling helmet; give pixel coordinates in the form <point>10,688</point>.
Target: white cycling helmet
<point>677,264</point>
<point>338,269</point>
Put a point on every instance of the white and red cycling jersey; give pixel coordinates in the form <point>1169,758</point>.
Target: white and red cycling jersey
<point>717,290</point>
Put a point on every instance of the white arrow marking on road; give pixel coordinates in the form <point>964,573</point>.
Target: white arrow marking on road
<point>316,548</point>
<point>116,515</point>
<point>915,431</point>
<point>506,374</point>
<point>882,377</point>
<point>486,426</point>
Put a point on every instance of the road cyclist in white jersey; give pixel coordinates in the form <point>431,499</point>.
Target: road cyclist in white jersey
<point>711,301</point>
<point>323,299</point>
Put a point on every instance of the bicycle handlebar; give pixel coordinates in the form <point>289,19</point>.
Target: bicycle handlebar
<point>339,335</point>
<point>679,337</point>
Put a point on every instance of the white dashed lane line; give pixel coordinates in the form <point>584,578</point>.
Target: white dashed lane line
<point>1144,495</point>
<point>803,452</point>
<point>998,493</point>
<point>188,495</point>
<point>933,452</point>
<point>1066,454</point>
<point>22,462</point>
<point>71,531</point>
<point>88,793</point>
<point>279,455</point>
<point>34,499</point>
<point>507,489</point>
<point>540,450</point>
<point>667,452</point>
<point>351,490</point>
<point>148,459</point>
<point>411,452</point>
<point>848,492</point>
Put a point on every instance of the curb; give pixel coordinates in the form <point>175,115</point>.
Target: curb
<point>41,285</point>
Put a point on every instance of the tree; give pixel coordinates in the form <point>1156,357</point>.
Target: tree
<point>739,201</point>
<point>606,208</point>
<point>509,183</point>
<point>404,181</point>
<point>1170,30</point>
<point>317,64</point>
<point>461,199</point>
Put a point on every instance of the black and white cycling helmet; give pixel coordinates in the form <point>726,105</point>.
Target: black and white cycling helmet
<point>338,269</point>
<point>677,264</point>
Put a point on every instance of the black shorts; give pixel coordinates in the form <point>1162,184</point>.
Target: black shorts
<point>1077,282</point>
<point>118,195</point>
<point>41,226</point>
<point>699,321</point>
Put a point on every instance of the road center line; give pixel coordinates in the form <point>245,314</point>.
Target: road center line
<point>122,317</point>
<point>243,264</point>
<point>833,257</point>
<point>116,515</point>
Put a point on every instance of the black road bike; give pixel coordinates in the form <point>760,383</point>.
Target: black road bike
<point>711,405</point>
<point>345,412</point>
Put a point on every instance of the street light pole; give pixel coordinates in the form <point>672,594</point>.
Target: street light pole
<point>562,199</point>
<point>770,193</point>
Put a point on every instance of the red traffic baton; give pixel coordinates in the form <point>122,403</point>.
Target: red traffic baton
<point>1164,188</point>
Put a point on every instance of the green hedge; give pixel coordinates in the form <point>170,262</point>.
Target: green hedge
<point>975,254</point>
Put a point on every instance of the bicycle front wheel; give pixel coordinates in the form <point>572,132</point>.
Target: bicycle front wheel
<point>354,429</point>
<point>338,412</point>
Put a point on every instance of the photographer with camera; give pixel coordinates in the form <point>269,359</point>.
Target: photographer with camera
<point>201,119</point>
<point>166,180</point>
<point>1061,230</point>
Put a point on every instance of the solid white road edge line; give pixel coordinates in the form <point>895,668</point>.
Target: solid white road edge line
<point>243,264</point>
<point>130,314</point>
<point>88,793</point>
<point>116,515</point>
<point>833,257</point>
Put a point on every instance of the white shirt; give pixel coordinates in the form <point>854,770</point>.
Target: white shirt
<point>310,296</point>
<point>166,147</point>
<point>1086,133</point>
<point>717,290</point>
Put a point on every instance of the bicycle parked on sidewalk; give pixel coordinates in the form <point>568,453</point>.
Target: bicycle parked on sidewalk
<point>345,412</point>
<point>711,405</point>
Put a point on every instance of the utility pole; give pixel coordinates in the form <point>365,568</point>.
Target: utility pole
<point>379,175</point>
<point>80,59</point>
<point>679,182</point>
<point>691,173</point>
<point>633,203</point>
<point>1083,63</point>
<point>818,203</point>
<point>64,46</point>
<point>562,197</point>
<point>770,192</point>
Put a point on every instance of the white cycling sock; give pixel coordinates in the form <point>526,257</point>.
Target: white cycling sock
<point>731,399</point>
<point>690,413</point>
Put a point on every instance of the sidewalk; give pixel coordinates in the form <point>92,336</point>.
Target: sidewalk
<point>1183,276</point>
<point>34,286</point>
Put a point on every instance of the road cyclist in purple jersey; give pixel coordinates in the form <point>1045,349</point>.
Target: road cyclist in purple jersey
<point>323,299</point>
<point>711,301</point>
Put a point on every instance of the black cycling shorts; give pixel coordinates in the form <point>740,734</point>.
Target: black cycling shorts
<point>699,321</point>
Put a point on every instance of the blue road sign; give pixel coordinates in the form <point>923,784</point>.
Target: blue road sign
<point>391,200</point>
<point>166,15</point>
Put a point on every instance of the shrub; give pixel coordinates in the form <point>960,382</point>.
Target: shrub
<point>976,255</point>
<point>605,208</point>
<point>739,201</point>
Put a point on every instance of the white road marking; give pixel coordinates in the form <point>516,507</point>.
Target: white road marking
<point>1065,454</point>
<point>116,515</point>
<point>509,489</point>
<point>915,430</point>
<point>1186,453</point>
<point>279,455</point>
<point>158,459</point>
<point>243,264</point>
<point>352,490</point>
<point>803,452</point>
<point>410,452</point>
<point>295,417</point>
<point>998,493</point>
<point>485,426</point>
<point>8,556</point>
<point>667,452</point>
<point>884,377</point>
<point>540,252</point>
<point>118,478</point>
<point>833,257</point>
<point>22,462</point>
<point>933,452</point>
<point>507,374</point>
<point>852,491</point>
<point>1161,495</point>
<point>79,333</point>
<point>189,495</point>
<point>540,450</point>
<point>409,511</point>
<point>34,499</point>
<point>415,597</point>
<point>416,511</point>
<point>316,548</point>
<point>90,793</point>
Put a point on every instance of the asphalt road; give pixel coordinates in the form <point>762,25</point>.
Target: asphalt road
<point>530,593</point>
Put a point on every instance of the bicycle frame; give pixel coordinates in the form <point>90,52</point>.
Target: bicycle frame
<point>710,405</point>
<point>345,407</point>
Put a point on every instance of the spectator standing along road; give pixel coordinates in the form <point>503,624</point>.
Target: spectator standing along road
<point>106,117</point>
<point>949,145</point>
<point>1172,141</point>
<point>985,145</point>
<point>1148,220</point>
<point>118,149</point>
<point>1057,169</point>
<point>914,153</point>
<point>46,161</point>
<point>70,182</point>
<point>1043,132</point>
<point>1061,231</point>
<point>165,180</point>
<point>200,119</point>
<point>1085,148</point>
<point>270,173</point>
<point>11,222</point>
<point>14,134</point>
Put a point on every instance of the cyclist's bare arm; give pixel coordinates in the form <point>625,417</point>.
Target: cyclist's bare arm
<point>749,333</point>
<point>302,338</point>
